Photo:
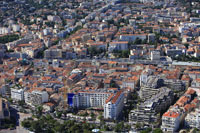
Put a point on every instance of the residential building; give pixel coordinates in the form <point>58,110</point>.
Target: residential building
<point>155,55</point>
<point>90,99</point>
<point>132,37</point>
<point>53,53</point>
<point>192,120</point>
<point>171,121</point>
<point>151,87</point>
<point>36,97</point>
<point>114,106</point>
<point>17,94</point>
<point>175,116</point>
<point>147,112</point>
<point>118,46</point>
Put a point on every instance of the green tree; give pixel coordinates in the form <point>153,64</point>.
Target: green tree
<point>138,41</point>
<point>148,130</point>
<point>39,110</point>
<point>26,123</point>
<point>59,128</point>
<point>119,127</point>
<point>157,130</point>
<point>138,125</point>
<point>21,103</point>
<point>125,53</point>
<point>100,117</point>
<point>92,115</point>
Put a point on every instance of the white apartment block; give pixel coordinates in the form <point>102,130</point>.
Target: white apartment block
<point>192,119</point>
<point>4,30</point>
<point>155,55</point>
<point>36,97</point>
<point>123,45</point>
<point>132,37</point>
<point>90,99</point>
<point>114,106</point>
<point>130,84</point>
<point>15,27</point>
<point>17,94</point>
<point>171,121</point>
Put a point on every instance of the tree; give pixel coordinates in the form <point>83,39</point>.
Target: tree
<point>21,103</point>
<point>100,117</point>
<point>138,41</point>
<point>186,45</point>
<point>138,125</point>
<point>113,85</point>
<point>148,130</point>
<point>35,126</point>
<point>92,115</point>
<point>26,123</point>
<point>157,130</point>
<point>125,53</point>
<point>50,125</point>
<point>58,128</point>
<point>119,127</point>
<point>9,38</point>
<point>58,114</point>
<point>39,110</point>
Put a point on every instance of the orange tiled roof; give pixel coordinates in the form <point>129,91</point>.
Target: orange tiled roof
<point>114,100</point>
<point>171,114</point>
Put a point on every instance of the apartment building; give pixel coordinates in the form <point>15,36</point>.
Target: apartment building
<point>17,94</point>
<point>147,112</point>
<point>53,54</point>
<point>132,37</point>
<point>192,120</point>
<point>155,55</point>
<point>151,87</point>
<point>176,114</point>
<point>123,45</point>
<point>171,121</point>
<point>90,99</point>
<point>195,83</point>
<point>175,84</point>
<point>36,97</point>
<point>114,105</point>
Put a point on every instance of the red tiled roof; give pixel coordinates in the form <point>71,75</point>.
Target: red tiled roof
<point>114,100</point>
<point>171,114</point>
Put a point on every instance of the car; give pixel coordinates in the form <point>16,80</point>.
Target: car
<point>12,128</point>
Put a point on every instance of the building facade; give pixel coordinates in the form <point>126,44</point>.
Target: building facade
<point>17,94</point>
<point>114,106</point>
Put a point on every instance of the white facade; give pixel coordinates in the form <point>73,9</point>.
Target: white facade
<point>50,18</point>
<point>113,108</point>
<point>90,99</point>
<point>192,120</point>
<point>15,27</point>
<point>4,30</point>
<point>171,121</point>
<point>195,83</point>
<point>36,97</point>
<point>118,46</point>
<point>155,55</point>
<point>130,84</point>
<point>17,94</point>
<point>133,37</point>
<point>143,78</point>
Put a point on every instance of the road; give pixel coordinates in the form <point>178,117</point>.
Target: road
<point>129,61</point>
<point>19,128</point>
